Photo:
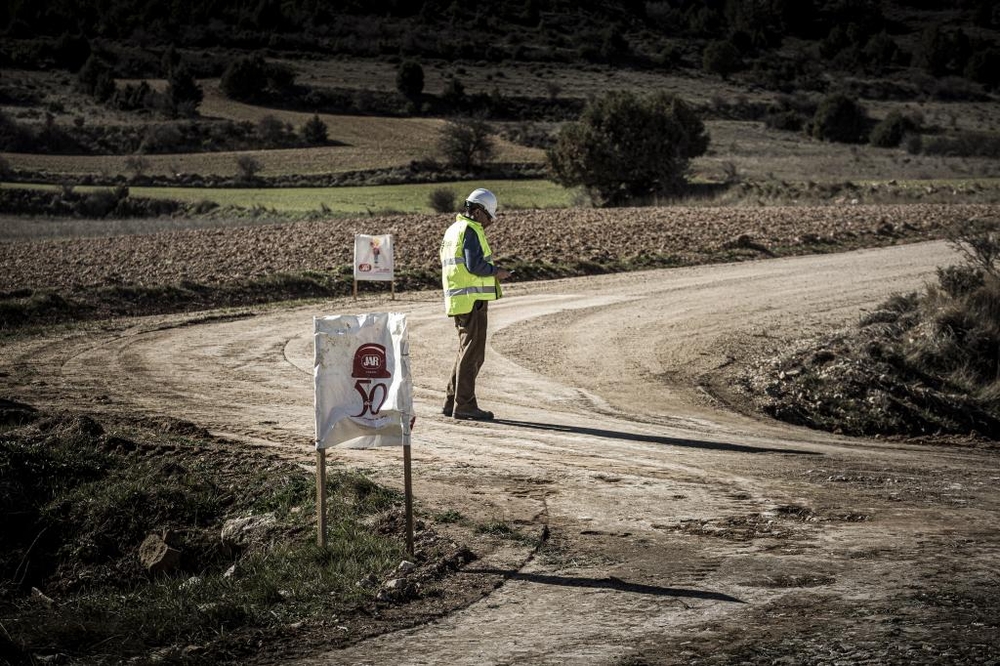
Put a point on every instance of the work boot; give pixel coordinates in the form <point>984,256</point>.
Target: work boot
<point>474,414</point>
<point>449,406</point>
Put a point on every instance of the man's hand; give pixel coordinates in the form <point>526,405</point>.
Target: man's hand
<point>503,273</point>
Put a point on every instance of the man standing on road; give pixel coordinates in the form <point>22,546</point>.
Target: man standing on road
<point>470,280</point>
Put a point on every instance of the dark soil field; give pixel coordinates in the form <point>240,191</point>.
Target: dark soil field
<point>239,265</point>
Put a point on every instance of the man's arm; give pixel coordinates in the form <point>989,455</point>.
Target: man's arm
<point>475,262</point>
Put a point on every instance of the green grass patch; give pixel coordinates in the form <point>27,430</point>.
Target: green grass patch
<point>375,199</point>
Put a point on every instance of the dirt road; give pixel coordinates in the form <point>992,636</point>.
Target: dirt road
<point>679,530</point>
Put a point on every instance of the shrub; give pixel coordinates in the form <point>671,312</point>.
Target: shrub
<point>248,166</point>
<point>840,118</point>
<point>958,281</point>
<point>410,79</point>
<point>466,143</point>
<point>789,121</point>
<point>252,77</point>
<point>164,138</point>
<point>889,132</point>
<point>978,241</point>
<point>134,97</point>
<point>442,200</point>
<point>95,79</point>
<point>625,146</point>
<point>272,131</point>
<point>454,92</point>
<point>721,58</point>
<point>183,91</point>
<point>314,131</point>
<point>244,79</point>
<point>882,52</point>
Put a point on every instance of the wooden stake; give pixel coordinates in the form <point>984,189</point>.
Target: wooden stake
<point>355,289</point>
<point>321,497</point>
<point>408,490</point>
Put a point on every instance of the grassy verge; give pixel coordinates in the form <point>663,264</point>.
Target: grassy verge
<point>85,505</point>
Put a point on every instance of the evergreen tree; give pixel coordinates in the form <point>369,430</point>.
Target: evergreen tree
<point>626,146</point>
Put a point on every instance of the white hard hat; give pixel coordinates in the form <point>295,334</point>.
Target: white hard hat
<point>486,199</point>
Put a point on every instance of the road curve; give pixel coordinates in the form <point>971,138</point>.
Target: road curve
<point>675,524</point>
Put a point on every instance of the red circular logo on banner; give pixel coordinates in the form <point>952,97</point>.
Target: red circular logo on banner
<point>369,361</point>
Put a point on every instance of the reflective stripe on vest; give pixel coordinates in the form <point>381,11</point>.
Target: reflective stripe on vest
<point>461,288</point>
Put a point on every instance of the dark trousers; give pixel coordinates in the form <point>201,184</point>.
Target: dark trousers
<point>471,329</point>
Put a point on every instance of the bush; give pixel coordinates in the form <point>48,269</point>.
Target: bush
<point>625,147</point>
<point>183,91</point>
<point>841,119</point>
<point>789,121</point>
<point>442,200</point>
<point>466,143</point>
<point>244,79</point>
<point>314,131</point>
<point>248,166</point>
<point>959,281</point>
<point>95,79</point>
<point>889,132</point>
<point>410,79</point>
<point>252,78</point>
<point>721,58</point>
<point>273,133</point>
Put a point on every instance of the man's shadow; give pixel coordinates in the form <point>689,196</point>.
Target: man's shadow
<point>653,439</point>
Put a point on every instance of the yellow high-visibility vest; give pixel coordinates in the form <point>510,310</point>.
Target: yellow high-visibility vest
<point>461,288</point>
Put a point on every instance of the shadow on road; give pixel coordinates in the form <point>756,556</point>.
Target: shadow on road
<point>610,583</point>
<point>653,439</point>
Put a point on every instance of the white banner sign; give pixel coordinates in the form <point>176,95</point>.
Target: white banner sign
<point>373,258</point>
<point>364,393</point>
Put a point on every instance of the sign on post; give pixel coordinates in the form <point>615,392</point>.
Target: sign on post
<point>373,260</point>
<point>363,393</point>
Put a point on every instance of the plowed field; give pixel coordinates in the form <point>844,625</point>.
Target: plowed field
<point>560,237</point>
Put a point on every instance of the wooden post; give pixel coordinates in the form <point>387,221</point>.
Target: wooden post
<point>407,484</point>
<point>408,489</point>
<point>355,288</point>
<point>321,497</point>
<point>393,286</point>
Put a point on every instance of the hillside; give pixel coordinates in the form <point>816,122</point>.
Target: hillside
<point>755,72</point>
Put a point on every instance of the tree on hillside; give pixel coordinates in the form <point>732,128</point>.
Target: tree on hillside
<point>889,132</point>
<point>722,58</point>
<point>626,147</point>
<point>96,78</point>
<point>840,118</point>
<point>183,91</point>
<point>314,131</point>
<point>252,77</point>
<point>467,143</point>
<point>410,79</point>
